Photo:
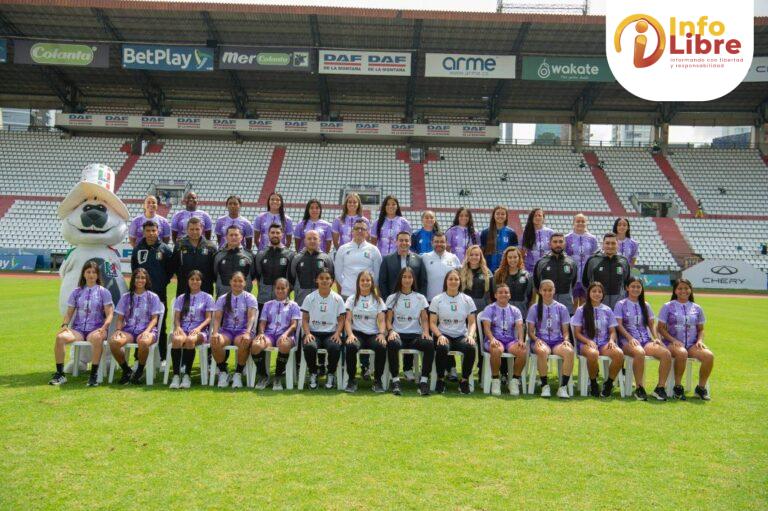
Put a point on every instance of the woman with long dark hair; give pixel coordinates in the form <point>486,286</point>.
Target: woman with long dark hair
<point>512,273</point>
<point>351,212</point>
<point>192,312</point>
<point>628,247</point>
<point>366,329</point>
<point>497,238</point>
<point>389,224</point>
<point>275,214</point>
<point>462,234</point>
<point>536,236</point>
<point>312,221</point>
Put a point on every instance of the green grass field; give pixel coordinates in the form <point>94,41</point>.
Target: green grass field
<point>116,447</point>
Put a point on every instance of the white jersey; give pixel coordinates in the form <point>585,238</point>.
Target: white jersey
<point>323,312</point>
<point>406,312</point>
<point>364,313</point>
<point>351,259</point>
<point>452,313</point>
<point>437,267</point>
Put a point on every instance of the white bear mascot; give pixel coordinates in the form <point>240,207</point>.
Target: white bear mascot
<point>92,220</point>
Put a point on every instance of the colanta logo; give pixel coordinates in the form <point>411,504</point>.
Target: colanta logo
<point>687,50</point>
<point>724,270</point>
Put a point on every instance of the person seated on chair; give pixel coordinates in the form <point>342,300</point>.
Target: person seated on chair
<point>277,328</point>
<point>453,323</point>
<point>408,327</point>
<point>594,327</point>
<point>366,329</point>
<point>637,338</point>
<point>681,325</point>
<point>192,312</point>
<point>138,313</point>
<point>90,310</point>
<point>548,327</point>
<point>233,319</point>
<point>503,330</point>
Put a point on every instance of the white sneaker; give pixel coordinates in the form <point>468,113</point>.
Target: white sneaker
<point>262,382</point>
<point>175,382</point>
<point>515,391</point>
<point>237,381</point>
<point>163,364</point>
<point>186,381</point>
<point>409,376</point>
<point>313,381</point>
<point>562,392</point>
<point>330,382</point>
<point>223,380</point>
<point>278,384</point>
<point>545,392</point>
<point>453,374</point>
<point>495,387</point>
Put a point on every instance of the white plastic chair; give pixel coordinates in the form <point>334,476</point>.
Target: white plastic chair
<point>459,362</point>
<point>486,376</point>
<point>250,368</point>
<point>153,357</point>
<point>202,353</point>
<point>533,371</point>
<point>603,363</point>
<point>303,371</point>
<point>345,374</point>
<point>629,374</point>
<point>290,367</point>
<point>75,358</point>
<point>418,361</point>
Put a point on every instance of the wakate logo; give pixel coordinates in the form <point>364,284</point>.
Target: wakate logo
<point>687,50</point>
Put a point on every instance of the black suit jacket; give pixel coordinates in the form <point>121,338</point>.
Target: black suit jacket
<point>390,268</point>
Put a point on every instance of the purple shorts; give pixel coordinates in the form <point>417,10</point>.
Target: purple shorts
<point>273,341</point>
<point>232,333</point>
<point>84,333</point>
<point>552,346</point>
<point>136,332</point>
<point>204,333</point>
<point>506,344</point>
<point>623,342</point>
<point>579,291</point>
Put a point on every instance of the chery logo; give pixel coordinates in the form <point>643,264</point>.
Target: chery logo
<point>724,270</point>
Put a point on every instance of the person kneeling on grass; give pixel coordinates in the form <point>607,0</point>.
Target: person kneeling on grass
<point>503,329</point>
<point>277,328</point>
<point>638,339</point>
<point>548,322</point>
<point>366,329</point>
<point>594,326</point>
<point>90,310</point>
<point>408,326</point>
<point>681,324</point>
<point>138,313</point>
<point>191,318</point>
<point>233,319</point>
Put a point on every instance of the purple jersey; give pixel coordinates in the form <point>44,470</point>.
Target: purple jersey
<point>386,240</point>
<point>223,223</point>
<point>503,321</point>
<point>553,317</point>
<point>344,227</point>
<point>89,303</point>
<point>458,240</point>
<point>629,248</point>
<point>137,231</point>
<point>540,248</point>
<point>199,304</point>
<point>237,319</point>
<point>580,247</point>
<point>262,223</point>
<point>604,320</point>
<point>180,220</point>
<point>322,227</point>
<point>142,308</point>
<point>631,316</point>
<point>278,316</point>
<point>682,320</point>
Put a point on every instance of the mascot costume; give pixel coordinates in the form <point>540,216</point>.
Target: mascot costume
<point>93,219</point>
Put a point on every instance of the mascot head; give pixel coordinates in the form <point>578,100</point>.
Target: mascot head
<point>91,214</point>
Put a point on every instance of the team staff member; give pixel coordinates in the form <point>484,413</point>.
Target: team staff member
<point>354,257</point>
<point>193,252</point>
<point>422,239</point>
<point>312,221</point>
<point>136,229</point>
<point>230,259</point>
<point>307,265</point>
<point>476,278</point>
<point>580,244</point>
<point>234,203</point>
<point>275,214</point>
<point>270,264</point>
<point>438,263</point>
<point>402,258</point>
<point>155,256</point>
<point>560,269</point>
<point>497,237</point>
<point>180,219</point>
<point>609,268</point>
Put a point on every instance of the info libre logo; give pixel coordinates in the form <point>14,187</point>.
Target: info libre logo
<point>686,50</point>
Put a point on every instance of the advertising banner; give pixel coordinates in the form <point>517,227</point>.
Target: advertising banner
<point>45,53</point>
<point>350,62</point>
<point>3,51</point>
<point>13,262</point>
<point>567,69</point>
<point>721,274</point>
<point>758,72</point>
<point>259,58</point>
<point>155,57</point>
<point>450,65</point>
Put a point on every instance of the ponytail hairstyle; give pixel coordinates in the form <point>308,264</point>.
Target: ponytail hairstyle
<point>281,210</point>
<point>677,284</point>
<point>188,295</point>
<point>383,213</point>
<point>540,299</point>
<point>132,287</point>
<point>228,299</point>
<point>490,243</point>
<point>641,298</point>
<point>470,224</point>
<point>436,227</point>
<point>399,283</point>
<point>589,310</point>
<point>374,290</point>
<point>529,233</point>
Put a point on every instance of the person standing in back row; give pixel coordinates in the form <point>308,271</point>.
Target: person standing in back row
<point>234,203</point>
<point>232,258</point>
<point>437,264</point>
<point>193,252</point>
<point>609,268</point>
<point>180,219</point>
<point>536,236</point>
<point>391,222</point>
<point>560,269</point>
<point>275,214</point>
<point>354,257</point>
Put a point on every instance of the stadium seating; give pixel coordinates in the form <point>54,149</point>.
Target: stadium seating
<point>727,181</point>
<point>727,239</point>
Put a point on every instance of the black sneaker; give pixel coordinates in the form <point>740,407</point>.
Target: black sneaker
<point>136,377</point>
<point>57,379</point>
<point>594,389</point>
<point>396,388</point>
<point>660,394</point>
<point>679,392</point>
<point>377,386</point>
<point>702,393</point>
<point>640,394</point>
<point>126,378</point>
<point>607,389</point>
<point>424,388</point>
<point>351,387</point>
<point>464,386</point>
<point>93,381</point>
<point>440,387</point>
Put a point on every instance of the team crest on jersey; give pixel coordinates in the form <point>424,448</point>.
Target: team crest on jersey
<point>204,251</point>
<point>567,268</point>
<point>599,268</point>
<point>323,307</point>
<point>548,268</point>
<point>241,263</point>
<point>453,307</point>
<point>619,270</point>
<point>367,254</point>
<point>522,280</point>
<point>159,256</point>
<point>283,261</point>
<point>407,303</point>
<point>319,265</point>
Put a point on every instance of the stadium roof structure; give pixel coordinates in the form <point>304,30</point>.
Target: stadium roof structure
<point>250,93</point>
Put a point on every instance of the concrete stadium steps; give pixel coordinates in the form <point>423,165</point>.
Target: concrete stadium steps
<point>674,240</point>
<point>677,183</point>
<point>606,188</point>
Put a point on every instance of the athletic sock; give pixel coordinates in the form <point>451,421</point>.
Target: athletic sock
<point>544,380</point>
<point>609,381</point>
<point>59,368</point>
<point>565,379</point>
<point>176,360</point>
<point>125,367</point>
<point>222,367</point>
<point>140,368</point>
<point>188,358</point>
<point>94,369</point>
<point>239,368</point>
<point>593,381</point>
<point>282,360</point>
<point>423,379</point>
<point>495,376</point>
<point>515,376</point>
